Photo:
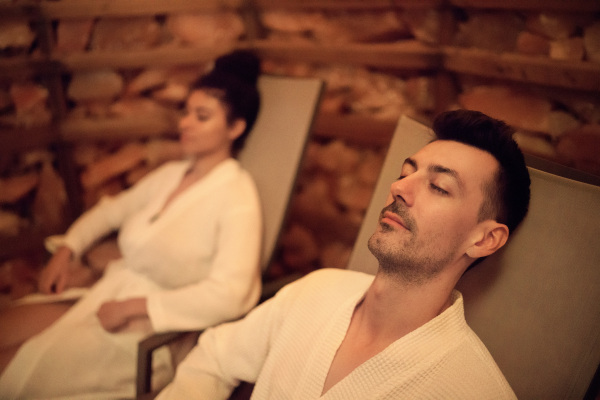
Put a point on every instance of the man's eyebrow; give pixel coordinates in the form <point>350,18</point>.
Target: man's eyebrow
<point>411,162</point>
<point>440,169</point>
<point>437,169</point>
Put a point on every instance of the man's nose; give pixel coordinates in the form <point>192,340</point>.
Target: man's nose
<point>403,190</point>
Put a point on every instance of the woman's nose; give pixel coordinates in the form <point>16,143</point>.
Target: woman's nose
<point>183,122</point>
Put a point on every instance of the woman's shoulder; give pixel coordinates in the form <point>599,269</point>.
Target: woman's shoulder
<point>168,168</point>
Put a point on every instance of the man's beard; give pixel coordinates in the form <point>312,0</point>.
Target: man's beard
<point>400,259</point>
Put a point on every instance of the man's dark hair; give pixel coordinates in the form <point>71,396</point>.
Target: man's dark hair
<point>233,80</point>
<point>507,196</point>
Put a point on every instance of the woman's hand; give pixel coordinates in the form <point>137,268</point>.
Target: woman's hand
<point>53,277</point>
<point>116,315</point>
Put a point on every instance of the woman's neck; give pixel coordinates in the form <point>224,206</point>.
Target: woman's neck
<point>200,166</point>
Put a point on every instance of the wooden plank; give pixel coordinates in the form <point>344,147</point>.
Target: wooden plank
<point>118,8</point>
<point>355,129</point>
<point>409,54</point>
<point>115,129</point>
<point>18,140</point>
<point>539,70</point>
<point>26,66</point>
<point>26,243</point>
<point>161,56</point>
<point>345,5</point>
<point>547,5</point>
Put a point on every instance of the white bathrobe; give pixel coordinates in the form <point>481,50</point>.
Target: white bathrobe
<point>287,345</point>
<point>196,262</point>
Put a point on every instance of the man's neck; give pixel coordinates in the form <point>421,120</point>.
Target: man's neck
<point>389,311</point>
<point>392,308</point>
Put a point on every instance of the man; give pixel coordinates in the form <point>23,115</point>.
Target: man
<point>339,334</point>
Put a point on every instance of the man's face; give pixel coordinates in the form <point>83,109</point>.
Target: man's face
<point>432,210</point>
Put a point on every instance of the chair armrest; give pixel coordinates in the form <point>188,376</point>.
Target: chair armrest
<point>153,342</point>
<point>144,364</point>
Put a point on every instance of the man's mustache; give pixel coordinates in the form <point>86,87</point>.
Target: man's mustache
<point>400,210</point>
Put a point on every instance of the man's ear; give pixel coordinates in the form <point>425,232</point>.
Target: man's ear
<point>492,236</point>
<point>237,128</point>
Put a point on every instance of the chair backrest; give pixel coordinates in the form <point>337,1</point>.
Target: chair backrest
<point>536,303</point>
<point>275,147</point>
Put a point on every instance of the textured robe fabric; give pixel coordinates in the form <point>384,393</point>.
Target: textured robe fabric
<point>196,261</point>
<point>287,345</point>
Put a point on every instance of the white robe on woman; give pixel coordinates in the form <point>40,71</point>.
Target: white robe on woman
<point>196,262</point>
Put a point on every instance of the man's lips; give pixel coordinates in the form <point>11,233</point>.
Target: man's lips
<point>393,219</point>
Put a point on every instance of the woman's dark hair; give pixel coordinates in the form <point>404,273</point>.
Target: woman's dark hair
<point>507,196</point>
<point>233,80</point>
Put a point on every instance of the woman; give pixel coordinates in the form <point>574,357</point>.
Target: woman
<point>189,236</point>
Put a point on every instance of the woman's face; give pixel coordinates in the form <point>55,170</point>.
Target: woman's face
<point>204,129</point>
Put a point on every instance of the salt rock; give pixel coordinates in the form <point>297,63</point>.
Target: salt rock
<point>33,158</point>
<point>519,109</point>
<point>73,35</point>
<point>581,148</point>
<point>128,33</point>
<point>349,27</point>
<point>335,255</point>
<point>591,42</point>
<point>173,93</point>
<point>87,153</point>
<point>187,75</point>
<point>206,29</point>
<point>18,278</point>
<point>10,223</point>
<point>136,173</point>
<point>337,157</point>
<point>586,109</point>
<point>315,196</point>
<point>420,92</point>
<point>124,159</point>
<point>332,103</point>
<point>560,122</point>
<point>27,96</point>
<point>567,49</point>
<point>159,151</point>
<point>30,104</point>
<point>157,78</point>
<point>496,31</point>
<point>291,21</point>
<point>103,85</point>
<point>5,99</point>
<point>16,34</point>
<point>353,194</point>
<point>379,95</point>
<point>49,205</point>
<point>552,25</point>
<point>532,44</point>
<point>91,196</point>
<point>311,154</point>
<point>370,167</point>
<point>423,23</point>
<point>535,144</point>
<point>147,80</point>
<point>13,188</point>
<point>136,107</point>
<point>299,246</point>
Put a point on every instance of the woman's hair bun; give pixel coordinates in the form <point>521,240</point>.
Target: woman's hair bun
<point>241,63</point>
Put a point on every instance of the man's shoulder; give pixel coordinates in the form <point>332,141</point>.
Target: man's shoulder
<point>335,276</point>
<point>479,372</point>
<point>329,283</point>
